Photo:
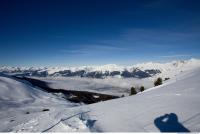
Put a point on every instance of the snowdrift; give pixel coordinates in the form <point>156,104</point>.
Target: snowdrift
<point>181,96</point>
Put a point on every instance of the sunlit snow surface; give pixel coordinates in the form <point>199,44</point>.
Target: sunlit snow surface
<point>22,106</point>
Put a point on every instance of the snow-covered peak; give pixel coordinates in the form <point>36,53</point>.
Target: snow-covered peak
<point>186,64</point>
<point>144,69</point>
<point>103,68</point>
<point>108,67</point>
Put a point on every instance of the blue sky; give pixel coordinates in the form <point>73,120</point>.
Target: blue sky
<point>96,32</point>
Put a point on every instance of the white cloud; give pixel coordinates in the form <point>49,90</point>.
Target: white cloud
<point>175,56</point>
<point>90,49</point>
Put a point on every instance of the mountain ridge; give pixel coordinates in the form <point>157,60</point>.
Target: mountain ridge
<point>142,70</point>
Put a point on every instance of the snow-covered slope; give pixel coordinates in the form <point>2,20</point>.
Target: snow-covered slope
<point>170,65</point>
<point>139,113</point>
<point>17,93</point>
<point>117,85</point>
<point>22,105</point>
<point>170,69</point>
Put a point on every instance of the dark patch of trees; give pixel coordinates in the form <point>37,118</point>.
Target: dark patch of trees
<point>158,82</point>
<point>142,88</point>
<point>166,79</point>
<point>133,91</point>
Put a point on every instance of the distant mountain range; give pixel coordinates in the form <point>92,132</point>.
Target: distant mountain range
<point>143,70</point>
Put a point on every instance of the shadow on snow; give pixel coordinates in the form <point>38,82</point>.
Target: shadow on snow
<point>169,123</point>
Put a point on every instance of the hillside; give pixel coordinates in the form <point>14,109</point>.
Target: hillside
<point>138,113</point>
<point>176,99</point>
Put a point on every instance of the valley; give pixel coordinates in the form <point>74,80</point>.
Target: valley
<point>81,104</point>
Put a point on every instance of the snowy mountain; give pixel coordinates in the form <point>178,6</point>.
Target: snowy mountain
<point>172,107</point>
<point>143,70</point>
<point>86,71</point>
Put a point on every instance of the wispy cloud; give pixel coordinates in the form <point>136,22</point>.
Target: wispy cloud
<point>94,49</point>
<point>175,56</point>
<point>74,51</point>
<point>159,35</point>
<point>105,47</point>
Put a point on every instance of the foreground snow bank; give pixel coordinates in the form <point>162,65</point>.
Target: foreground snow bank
<point>177,101</point>
<point>17,93</point>
<point>138,113</point>
<point>24,108</point>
